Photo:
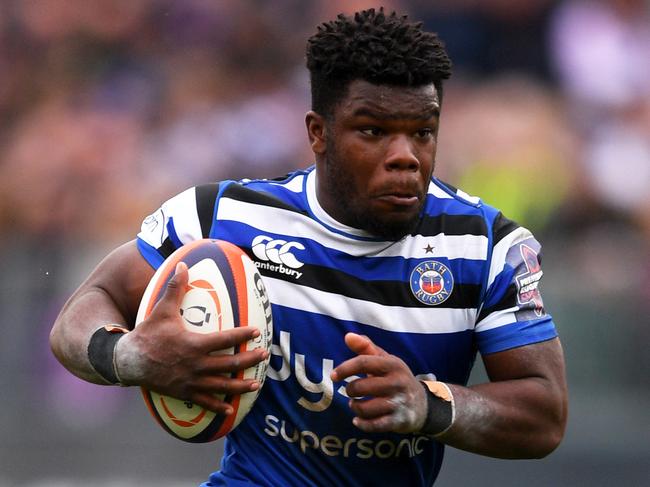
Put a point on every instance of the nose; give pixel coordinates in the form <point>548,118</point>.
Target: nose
<point>400,155</point>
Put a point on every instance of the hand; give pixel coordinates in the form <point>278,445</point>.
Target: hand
<point>161,355</point>
<point>397,401</point>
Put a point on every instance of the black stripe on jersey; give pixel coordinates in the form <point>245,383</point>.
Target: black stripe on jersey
<point>166,248</point>
<point>279,179</point>
<point>502,227</point>
<point>206,195</point>
<point>451,225</point>
<point>242,193</point>
<point>387,293</point>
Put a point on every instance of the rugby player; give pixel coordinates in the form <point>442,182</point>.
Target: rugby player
<point>385,283</point>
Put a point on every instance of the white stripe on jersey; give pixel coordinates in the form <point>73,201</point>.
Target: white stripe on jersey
<point>501,250</point>
<point>472,247</point>
<point>497,319</point>
<point>265,218</point>
<point>472,199</point>
<point>388,318</point>
<point>186,223</point>
<point>438,192</point>
<point>295,185</point>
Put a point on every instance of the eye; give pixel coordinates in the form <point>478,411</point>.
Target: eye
<point>371,131</point>
<point>424,133</point>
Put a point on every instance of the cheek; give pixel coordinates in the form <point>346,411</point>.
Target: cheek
<point>359,163</point>
<point>427,162</point>
<point>426,167</point>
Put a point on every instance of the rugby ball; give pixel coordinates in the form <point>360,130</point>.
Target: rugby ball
<point>225,290</point>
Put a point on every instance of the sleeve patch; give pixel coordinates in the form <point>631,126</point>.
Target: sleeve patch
<point>153,229</point>
<point>527,279</point>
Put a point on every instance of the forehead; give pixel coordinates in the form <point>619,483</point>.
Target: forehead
<point>390,102</point>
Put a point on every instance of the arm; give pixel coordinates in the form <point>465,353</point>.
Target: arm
<point>160,354</point>
<point>521,413</point>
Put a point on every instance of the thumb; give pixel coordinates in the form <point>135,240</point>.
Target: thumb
<point>175,290</point>
<point>362,345</point>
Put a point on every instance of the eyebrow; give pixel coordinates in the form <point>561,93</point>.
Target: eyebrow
<point>370,113</point>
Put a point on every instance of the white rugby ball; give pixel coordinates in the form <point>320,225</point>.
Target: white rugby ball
<point>225,290</point>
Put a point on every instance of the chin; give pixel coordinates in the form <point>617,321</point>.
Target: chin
<point>389,224</point>
<point>390,228</point>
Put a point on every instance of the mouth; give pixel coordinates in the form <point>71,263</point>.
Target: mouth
<point>402,200</point>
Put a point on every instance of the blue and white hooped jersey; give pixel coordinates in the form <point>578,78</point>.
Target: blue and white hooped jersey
<point>465,280</point>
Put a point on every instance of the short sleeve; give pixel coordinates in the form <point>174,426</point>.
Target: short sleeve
<point>186,217</point>
<point>512,313</point>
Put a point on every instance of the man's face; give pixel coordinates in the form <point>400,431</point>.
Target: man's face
<point>378,157</point>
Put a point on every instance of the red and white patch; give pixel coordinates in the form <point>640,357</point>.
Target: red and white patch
<point>528,281</point>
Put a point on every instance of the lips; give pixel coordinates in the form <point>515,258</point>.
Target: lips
<point>402,198</point>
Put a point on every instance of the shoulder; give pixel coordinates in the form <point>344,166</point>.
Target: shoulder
<point>286,192</point>
<point>204,199</point>
<point>467,211</point>
<point>456,201</point>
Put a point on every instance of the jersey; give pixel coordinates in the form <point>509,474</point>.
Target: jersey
<point>465,280</point>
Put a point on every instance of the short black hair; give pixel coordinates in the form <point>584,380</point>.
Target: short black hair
<point>375,47</point>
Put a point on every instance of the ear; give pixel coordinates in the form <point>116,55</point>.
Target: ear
<point>316,131</point>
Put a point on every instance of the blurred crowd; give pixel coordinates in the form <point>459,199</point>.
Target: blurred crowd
<point>109,107</point>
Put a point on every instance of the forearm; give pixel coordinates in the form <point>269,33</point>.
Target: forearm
<point>88,310</point>
<point>521,418</point>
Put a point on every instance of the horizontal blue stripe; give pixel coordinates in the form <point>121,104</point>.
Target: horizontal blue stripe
<point>465,271</point>
<point>149,253</point>
<point>516,335</point>
<point>277,189</point>
<point>437,206</point>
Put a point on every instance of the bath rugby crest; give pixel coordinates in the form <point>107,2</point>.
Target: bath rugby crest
<point>432,282</point>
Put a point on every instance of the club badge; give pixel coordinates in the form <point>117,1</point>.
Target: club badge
<point>432,282</point>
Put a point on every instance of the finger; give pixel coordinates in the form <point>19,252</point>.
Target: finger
<point>223,340</point>
<point>227,386</point>
<point>361,365</point>
<point>375,425</point>
<point>212,403</point>
<point>395,413</point>
<point>362,345</point>
<point>228,363</point>
<point>376,386</point>
<point>210,390</point>
<point>371,408</point>
<point>175,290</point>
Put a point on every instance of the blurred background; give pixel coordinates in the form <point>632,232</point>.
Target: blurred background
<point>109,107</point>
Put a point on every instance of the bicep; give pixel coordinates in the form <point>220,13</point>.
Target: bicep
<point>541,365</point>
<point>544,359</point>
<point>123,275</point>
<point>521,412</point>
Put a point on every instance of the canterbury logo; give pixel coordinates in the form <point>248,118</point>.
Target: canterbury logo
<point>277,251</point>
